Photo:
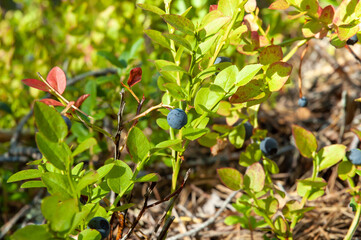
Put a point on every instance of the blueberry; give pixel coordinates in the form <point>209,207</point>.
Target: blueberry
<point>302,102</point>
<point>269,146</point>
<point>177,118</point>
<point>67,121</point>
<point>354,156</point>
<point>249,130</point>
<point>222,59</point>
<point>101,225</point>
<point>352,40</point>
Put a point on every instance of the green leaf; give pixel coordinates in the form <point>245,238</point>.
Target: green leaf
<point>208,98</point>
<point>330,155</point>
<point>174,144</point>
<point>305,141</point>
<point>157,37</point>
<point>213,26</point>
<point>226,78</point>
<point>49,122</point>
<point>247,74</point>
<point>179,40</point>
<point>205,46</point>
<point>254,178</point>
<point>194,133</point>
<point>89,234</point>
<point>270,166</point>
<point>137,145</point>
<point>57,153</point>
<point>314,188</point>
<point>172,68</point>
<point>236,136</point>
<point>282,226</point>
<point>104,170</point>
<point>252,155</point>
<point>60,214</point>
<point>151,177</point>
<point>162,123</point>
<point>209,139</point>
<point>85,145</point>
<point>168,76</point>
<point>231,178</point>
<point>228,7</point>
<point>181,23</point>
<point>231,220</point>
<point>270,54</point>
<point>57,183</point>
<point>32,232</point>
<point>277,75</point>
<point>122,208</point>
<point>175,90</point>
<point>151,8</point>
<point>88,179</point>
<point>33,184</point>
<point>119,178</point>
<point>77,169</point>
<point>346,170</point>
<point>111,58</point>
<point>25,175</point>
<point>311,28</point>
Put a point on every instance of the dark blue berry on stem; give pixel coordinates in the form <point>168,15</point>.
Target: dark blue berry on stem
<point>67,121</point>
<point>354,156</point>
<point>249,130</point>
<point>302,102</point>
<point>222,59</point>
<point>101,225</point>
<point>352,40</point>
<point>269,146</point>
<point>177,118</point>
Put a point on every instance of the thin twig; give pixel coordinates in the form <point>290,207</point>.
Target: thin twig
<point>353,54</point>
<point>166,226</point>
<point>206,223</point>
<point>161,105</point>
<point>120,124</point>
<point>300,71</point>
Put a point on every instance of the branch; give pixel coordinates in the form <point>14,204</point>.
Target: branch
<point>206,223</point>
<point>120,124</point>
<point>161,105</point>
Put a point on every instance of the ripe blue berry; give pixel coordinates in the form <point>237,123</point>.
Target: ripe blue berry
<point>67,121</point>
<point>101,225</point>
<point>352,40</point>
<point>354,156</point>
<point>249,130</point>
<point>302,102</point>
<point>222,59</point>
<point>269,146</point>
<point>177,118</point>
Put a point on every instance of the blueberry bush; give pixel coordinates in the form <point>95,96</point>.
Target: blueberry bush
<point>207,62</point>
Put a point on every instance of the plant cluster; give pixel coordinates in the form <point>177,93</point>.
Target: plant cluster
<point>197,85</point>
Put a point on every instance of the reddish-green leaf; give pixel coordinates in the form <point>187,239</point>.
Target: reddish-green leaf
<point>57,79</point>
<point>327,14</point>
<point>255,177</point>
<point>248,92</point>
<point>34,83</point>
<point>230,177</point>
<point>51,102</point>
<point>279,5</point>
<point>330,155</point>
<point>80,100</point>
<point>213,7</point>
<point>270,55</point>
<point>135,76</point>
<point>310,6</point>
<point>277,75</point>
<point>305,141</point>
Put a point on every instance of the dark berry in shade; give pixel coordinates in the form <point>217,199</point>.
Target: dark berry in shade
<point>177,118</point>
<point>352,40</point>
<point>67,121</point>
<point>101,225</point>
<point>302,102</point>
<point>354,156</point>
<point>248,129</point>
<point>222,59</point>
<point>269,146</point>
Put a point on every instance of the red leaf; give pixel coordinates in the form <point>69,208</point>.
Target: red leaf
<point>135,76</point>
<point>51,102</point>
<point>80,100</point>
<point>213,7</point>
<point>57,79</point>
<point>36,84</point>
